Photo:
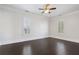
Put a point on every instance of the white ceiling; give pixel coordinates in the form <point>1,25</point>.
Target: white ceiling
<point>60,8</point>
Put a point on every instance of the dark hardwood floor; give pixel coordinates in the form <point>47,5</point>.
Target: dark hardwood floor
<point>47,46</point>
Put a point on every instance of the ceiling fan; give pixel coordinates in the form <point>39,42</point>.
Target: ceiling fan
<point>47,8</point>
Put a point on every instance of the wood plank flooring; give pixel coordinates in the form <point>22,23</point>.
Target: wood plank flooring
<point>46,46</point>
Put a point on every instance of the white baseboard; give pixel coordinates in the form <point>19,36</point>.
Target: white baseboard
<point>67,39</point>
<point>36,38</point>
<point>14,40</point>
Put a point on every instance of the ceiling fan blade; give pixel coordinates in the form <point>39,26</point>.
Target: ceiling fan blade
<point>52,8</point>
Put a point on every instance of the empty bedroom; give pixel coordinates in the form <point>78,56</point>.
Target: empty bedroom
<point>39,29</point>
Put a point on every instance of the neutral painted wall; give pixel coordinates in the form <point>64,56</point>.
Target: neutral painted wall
<point>38,25</point>
<point>12,26</point>
<point>71,26</point>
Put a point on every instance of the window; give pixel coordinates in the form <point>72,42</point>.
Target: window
<point>60,26</point>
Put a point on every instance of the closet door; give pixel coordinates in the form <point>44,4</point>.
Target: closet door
<point>26,26</point>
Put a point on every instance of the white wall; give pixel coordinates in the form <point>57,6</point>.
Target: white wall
<point>11,26</point>
<point>71,27</point>
<point>38,25</point>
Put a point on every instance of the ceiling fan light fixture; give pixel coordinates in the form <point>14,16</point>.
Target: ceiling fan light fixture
<point>46,11</point>
<point>47,8</point>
